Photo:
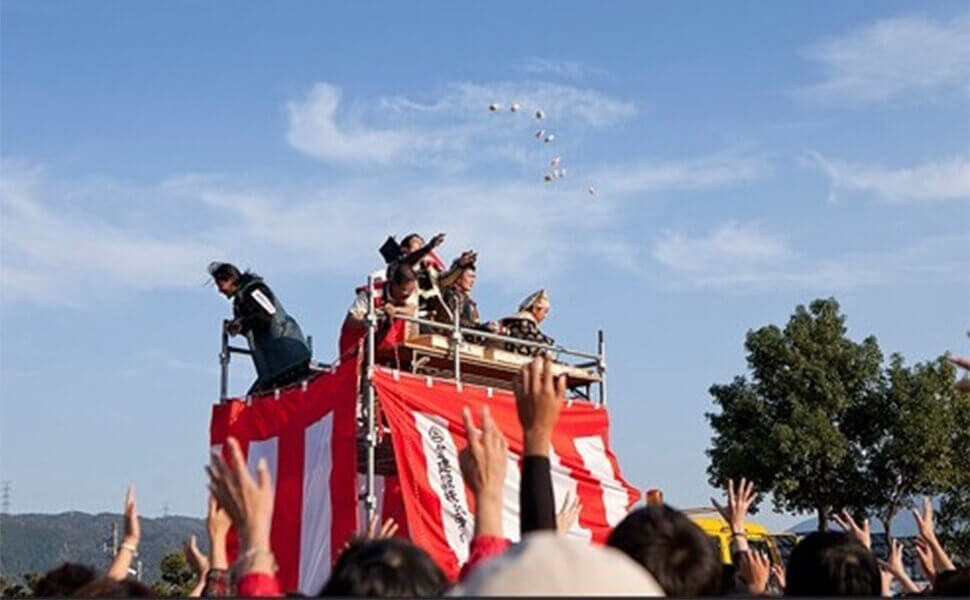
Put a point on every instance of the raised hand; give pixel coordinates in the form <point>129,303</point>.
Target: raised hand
<point>924,523</point>
<point>894,565</point>
<point>437,240</point>
<point>483,464</point>
<point>778,572</point>
<point>755,568</point>
<point>925,555</point>
<point>739,502</point>
<point>248,501</point>
<point>388,529</point>
<point>567,517</point>
<point>132,525</point>
<point>129,545</point>
<point>862,534</point>
<point>198,562</point>
<point>539,398</point>
<point>218,523</point>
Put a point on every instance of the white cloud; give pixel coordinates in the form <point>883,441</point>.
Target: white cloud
<point>695,174</point>
<point>569,69</point>
<point>61,256</point>
<point>939,180</point>
<point>313,130</point>
<point>745,258</point>
<point>890,58</point>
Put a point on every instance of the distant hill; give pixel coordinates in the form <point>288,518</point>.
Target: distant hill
<point>39,542</point>
<point>904,525</point>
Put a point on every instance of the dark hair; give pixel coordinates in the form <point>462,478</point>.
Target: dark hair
<point>399,273</point>
<point>670,547</point>
<point>224,272</point>
<point>109,588</point>
<point>953,582</point>
<point>831,563</point>
<point>385,568</point>
<point>407,240</point>
<point>64,580</point>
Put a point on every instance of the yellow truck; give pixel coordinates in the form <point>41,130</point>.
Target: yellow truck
<point>719,531</point>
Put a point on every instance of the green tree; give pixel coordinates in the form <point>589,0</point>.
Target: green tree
<point>953,521</point>
<point>177,577</point>
<point>905,436</point>
<point>10,588</point>
<point>786,428</point>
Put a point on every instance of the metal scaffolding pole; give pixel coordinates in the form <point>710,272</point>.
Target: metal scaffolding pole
<point>370,500</point>
<point>224,363</point>
<point>601,365</point>
<point>456,344</point>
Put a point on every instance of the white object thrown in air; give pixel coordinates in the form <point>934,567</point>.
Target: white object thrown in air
<point>591,191</point>
<point>515,107</point>
<point>560,173</point>
<point>540,114</point>
<point>494,107</point>
<point>549,138</point>
<point>540,133</point>
<point>555,162</point>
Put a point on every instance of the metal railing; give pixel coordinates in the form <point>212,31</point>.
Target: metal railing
<point>225,357</point>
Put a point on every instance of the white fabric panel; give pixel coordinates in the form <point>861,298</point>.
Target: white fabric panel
<point>444,476</point>
<point>615,499</point>
<point>267,449</point>
<point>316,522</point>
<point>510,499</point>
<point>562,485</point>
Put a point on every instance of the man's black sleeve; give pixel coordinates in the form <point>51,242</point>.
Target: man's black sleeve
<point>256,310</point>
<point>537,504</point>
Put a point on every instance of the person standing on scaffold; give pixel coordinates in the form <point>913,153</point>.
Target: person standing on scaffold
<point>280,353</point>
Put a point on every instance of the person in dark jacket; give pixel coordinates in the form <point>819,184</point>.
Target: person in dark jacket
<point>280,353</point>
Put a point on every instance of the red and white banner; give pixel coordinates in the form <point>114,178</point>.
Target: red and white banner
<point>307,437</point>
<point>425,417</point>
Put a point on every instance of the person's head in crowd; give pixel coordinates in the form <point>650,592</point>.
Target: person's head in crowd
<point>411,243</point>
<point>401,283</point>
<point>537,304</point>
<point>226,277</point>
<point>389,567</point>
<point>466,281</point>
<point>545,563</point>
<point>831,563</point>
<point>670,547</point>
<point>64,580</point>
<point>954,582</point>
<point>106,587</point>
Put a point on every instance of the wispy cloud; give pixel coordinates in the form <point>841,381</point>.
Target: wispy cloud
<point>891,58</point>
<point>694,174</point>
<point>314,130</point>
<point>438,130</point>
<point>746,259</point>
<point>937,180</point>
<point>64,256</point>
<point>58,235</point>
<point>568,69</point>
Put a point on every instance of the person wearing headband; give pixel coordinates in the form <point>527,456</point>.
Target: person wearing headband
<point>280,353</point>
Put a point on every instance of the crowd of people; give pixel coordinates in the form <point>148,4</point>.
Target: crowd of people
<point>655,550</point>
<point>414,282</point>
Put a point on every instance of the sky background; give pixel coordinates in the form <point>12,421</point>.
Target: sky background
<point>748,157</point>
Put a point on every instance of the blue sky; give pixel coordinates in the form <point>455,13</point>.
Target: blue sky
<point>748,157</point>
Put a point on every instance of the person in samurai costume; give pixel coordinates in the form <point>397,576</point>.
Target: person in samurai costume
<point>459,297</point>
<point>280,353</point>
<point>524,324</point>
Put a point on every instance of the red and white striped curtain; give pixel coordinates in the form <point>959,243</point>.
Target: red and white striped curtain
<point>428,432</point>
<point>307,438</point>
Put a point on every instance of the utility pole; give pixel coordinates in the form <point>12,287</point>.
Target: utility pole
<point>5,497</point>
